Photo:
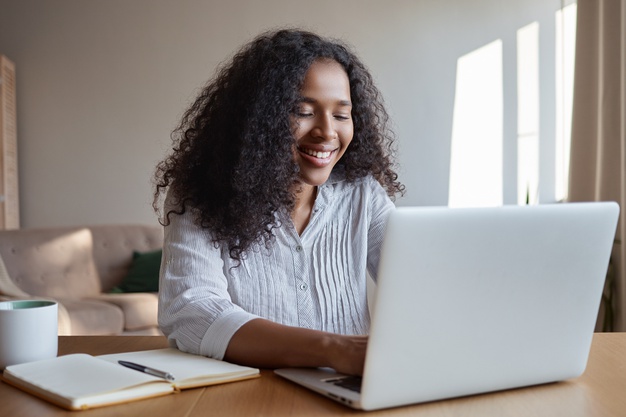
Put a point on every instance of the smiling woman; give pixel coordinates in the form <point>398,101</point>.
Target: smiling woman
<point>323,129</point>
<point>276,196</point>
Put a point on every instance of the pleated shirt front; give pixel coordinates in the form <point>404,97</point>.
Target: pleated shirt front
<point>315,280</point>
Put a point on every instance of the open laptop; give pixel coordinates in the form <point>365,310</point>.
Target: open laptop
<point>477,300</point>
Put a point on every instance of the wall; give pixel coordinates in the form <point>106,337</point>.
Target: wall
<point>102,83</point>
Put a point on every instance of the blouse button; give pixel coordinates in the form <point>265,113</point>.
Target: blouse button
<point>303,287</point>
<point>299,248</point>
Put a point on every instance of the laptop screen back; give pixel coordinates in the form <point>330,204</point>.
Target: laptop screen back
<point>477,300</point>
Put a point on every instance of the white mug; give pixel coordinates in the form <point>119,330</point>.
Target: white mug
<point>28,331</point>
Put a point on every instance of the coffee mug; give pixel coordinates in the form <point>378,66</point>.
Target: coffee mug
<point>28,331</point>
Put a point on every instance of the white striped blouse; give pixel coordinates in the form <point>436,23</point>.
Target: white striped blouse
<point>315,280</point>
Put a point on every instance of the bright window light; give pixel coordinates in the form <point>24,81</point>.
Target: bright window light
<point>565,54</point>
<point>476,160</point>
<point>528,114</point>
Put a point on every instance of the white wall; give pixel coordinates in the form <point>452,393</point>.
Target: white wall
<point>102,83</point>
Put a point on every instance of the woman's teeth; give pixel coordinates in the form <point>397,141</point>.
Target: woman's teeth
<point>321,155</point>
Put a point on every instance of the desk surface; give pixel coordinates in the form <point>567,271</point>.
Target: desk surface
<point>599,392</point>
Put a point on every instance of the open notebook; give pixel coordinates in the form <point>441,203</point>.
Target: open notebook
<point>479,300</point>
<point>80,381</point>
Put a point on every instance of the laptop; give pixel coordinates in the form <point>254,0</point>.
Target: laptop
<point>478,300</point>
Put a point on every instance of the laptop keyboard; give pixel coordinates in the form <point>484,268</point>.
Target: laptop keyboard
<point>353,383</point>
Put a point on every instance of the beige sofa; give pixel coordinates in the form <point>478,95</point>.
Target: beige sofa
<point>78,266</point>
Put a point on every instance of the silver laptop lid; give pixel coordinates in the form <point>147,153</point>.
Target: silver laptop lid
<point>477,300</point>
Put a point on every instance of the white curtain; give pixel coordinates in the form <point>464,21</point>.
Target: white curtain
<point>598,151</point>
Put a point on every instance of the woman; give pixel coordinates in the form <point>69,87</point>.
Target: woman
<point>276,195</point>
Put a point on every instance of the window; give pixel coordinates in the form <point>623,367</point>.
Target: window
<point>476,168</point>
<point>476,159</point>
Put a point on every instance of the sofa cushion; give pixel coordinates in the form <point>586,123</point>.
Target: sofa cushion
<point>140,309</point>
<point>55,262</point>
<point>113,246</point>
<point>143,275</point>
<point>94,317</point>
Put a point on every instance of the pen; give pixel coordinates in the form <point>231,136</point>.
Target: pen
<point>146,370</point>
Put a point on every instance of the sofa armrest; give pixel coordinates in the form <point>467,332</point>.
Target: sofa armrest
<point>7,286</point>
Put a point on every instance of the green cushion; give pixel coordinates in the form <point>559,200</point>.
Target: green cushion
<point>143,275</point>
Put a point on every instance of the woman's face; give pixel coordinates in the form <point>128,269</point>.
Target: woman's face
<point>323,122</point>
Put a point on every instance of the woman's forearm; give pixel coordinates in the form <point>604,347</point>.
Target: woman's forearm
<point>265,344</point>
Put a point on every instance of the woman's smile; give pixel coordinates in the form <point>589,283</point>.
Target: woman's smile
<point>320,158</point>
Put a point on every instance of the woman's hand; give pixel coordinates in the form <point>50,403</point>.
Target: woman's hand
<point>348,355</point>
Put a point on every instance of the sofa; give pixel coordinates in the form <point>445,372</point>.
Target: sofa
<point>83,268</point>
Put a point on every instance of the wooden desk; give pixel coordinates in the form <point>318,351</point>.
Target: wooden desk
<point>601,391</point>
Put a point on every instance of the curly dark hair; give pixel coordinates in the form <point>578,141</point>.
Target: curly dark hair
<point>232,161</point>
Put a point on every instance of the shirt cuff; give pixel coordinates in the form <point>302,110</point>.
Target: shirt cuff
<point>217,337</point>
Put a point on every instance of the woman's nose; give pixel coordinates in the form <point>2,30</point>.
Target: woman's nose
<point>325,128</point>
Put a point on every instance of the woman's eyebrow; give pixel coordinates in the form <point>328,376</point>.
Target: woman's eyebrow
<point>343,103</point>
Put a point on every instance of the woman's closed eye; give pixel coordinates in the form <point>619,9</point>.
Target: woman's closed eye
<point>309,113</point>
<point>304,111</point>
